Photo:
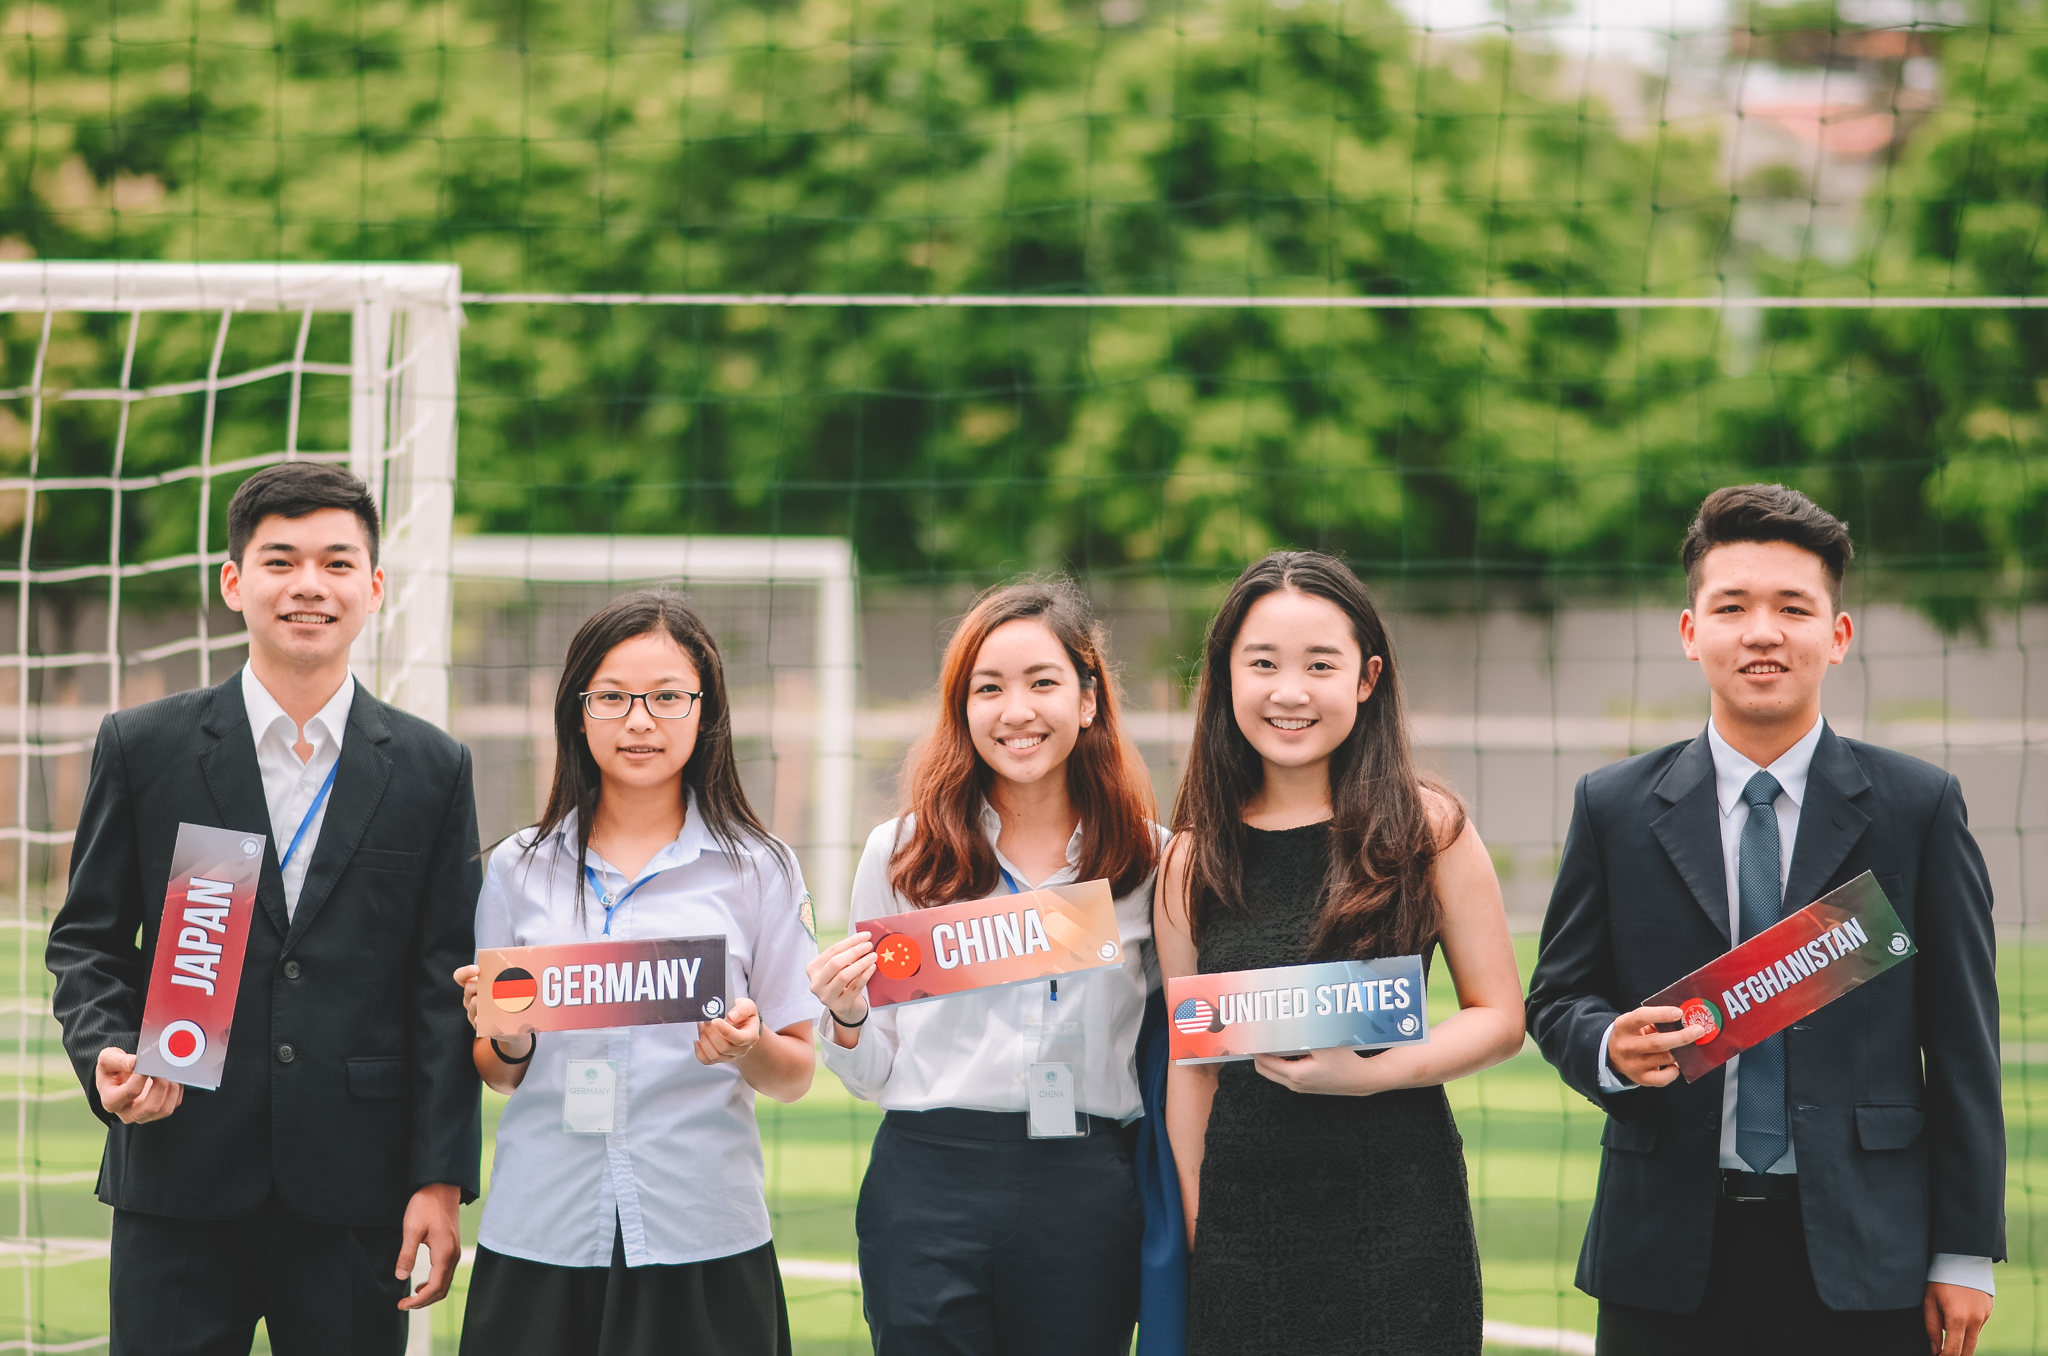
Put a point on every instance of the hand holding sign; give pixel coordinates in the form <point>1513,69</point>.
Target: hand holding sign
<point>731,1038</point>
<point>839,978</point>
<point>131,1097</point>
<point>1788,971</point>
<point>1640,1053</point>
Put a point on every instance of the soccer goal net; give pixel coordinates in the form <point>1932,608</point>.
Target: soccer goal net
<point>136,398</point>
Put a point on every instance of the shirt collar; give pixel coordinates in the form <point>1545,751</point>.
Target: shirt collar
<point>992,825</point>
<point>693,842</point>
<point>1732,770</point>
<point>329,722</point>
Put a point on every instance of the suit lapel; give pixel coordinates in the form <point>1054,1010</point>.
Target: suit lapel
<point>358,789</point>
<point>236,784</point>
<point>1690,830</point>
<point>1829,820</point>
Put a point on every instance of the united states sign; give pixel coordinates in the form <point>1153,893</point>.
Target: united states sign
<point>197,969</point>
<point>1235,1014</point>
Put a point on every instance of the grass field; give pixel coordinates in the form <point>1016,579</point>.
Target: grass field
<point>1531,1145</point>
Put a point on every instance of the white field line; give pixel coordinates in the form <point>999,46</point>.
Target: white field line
<point>1539,1339</point>
<point>1512,1335</point>
<point>803,1269</point>
<point>56,1252</point>
<point>47,1179</point>
<point>53,1252</point>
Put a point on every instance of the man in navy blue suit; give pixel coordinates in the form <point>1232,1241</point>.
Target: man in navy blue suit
<point>1839,1187</point>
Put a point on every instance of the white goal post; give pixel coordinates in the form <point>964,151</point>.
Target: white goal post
<point>405,320</point>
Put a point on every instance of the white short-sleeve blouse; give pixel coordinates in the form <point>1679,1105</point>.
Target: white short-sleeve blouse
<point>682,1178</point>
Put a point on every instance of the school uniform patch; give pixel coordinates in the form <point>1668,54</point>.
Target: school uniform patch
<point>808,916</point>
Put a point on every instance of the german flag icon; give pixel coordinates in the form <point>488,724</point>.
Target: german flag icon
<point>514,989</point>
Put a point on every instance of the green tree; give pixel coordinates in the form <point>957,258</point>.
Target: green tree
<point>936,146</point>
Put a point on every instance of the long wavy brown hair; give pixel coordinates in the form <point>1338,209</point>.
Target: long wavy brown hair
<point>946,857</point>
<point>712,771</point>
<point>1379,898</point>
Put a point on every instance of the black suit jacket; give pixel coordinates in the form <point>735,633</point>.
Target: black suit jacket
<point>379,1096</point>
<point>1892,1093</point>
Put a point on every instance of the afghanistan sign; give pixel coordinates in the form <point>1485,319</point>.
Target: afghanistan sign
<point>599,984</point>
<point>1791,969</point>
<point>1007,939</point>
<point>1236,1014</point>
<point>197,970</point>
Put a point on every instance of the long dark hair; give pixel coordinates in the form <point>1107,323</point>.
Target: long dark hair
<point>711,771</point>
<point>947,857</point>
<point>1379,898</point>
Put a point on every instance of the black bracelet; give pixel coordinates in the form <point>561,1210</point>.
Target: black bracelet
<point>504,1058</point>
<point>852,1025</point>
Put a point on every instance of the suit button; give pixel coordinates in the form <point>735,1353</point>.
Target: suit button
<point>291,969</point>
<point>285,1054</point>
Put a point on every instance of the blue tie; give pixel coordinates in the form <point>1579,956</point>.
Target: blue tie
<point>1760,1094</point>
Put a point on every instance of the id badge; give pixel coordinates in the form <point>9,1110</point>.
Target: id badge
<point>1056,1048</point>
<point>590,1096</point>
<point>1052,1103</point>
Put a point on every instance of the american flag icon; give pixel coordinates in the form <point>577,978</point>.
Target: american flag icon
<point>1193,1016</point>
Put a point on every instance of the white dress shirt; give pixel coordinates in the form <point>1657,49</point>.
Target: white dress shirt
<point>681,1175</point>
<point>1732,772</point>
<point>974,1050</point>
<point>289,782</point>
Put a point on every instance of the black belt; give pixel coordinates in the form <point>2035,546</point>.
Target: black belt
<point>954,1122</point>
<point>1759,1186</point>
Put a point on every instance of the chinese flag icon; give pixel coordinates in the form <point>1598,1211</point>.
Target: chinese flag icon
<point>898,957</point>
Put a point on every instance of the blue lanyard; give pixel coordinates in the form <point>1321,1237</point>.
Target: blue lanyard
<point>312,810</point>
<point>1011,881</point>
<point>612,906</point>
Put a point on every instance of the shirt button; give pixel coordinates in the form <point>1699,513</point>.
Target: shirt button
<point>291,969</point>
<point>285,1054</point>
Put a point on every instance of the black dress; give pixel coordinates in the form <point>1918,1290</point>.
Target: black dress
<point>1328,1224</point>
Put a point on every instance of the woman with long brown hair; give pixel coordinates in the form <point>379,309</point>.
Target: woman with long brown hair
<point>1325,1194</point>
<point>627,1211</point>
<point>975,1236</point>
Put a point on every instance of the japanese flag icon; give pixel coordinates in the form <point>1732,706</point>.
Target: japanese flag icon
<point>182,1044</point>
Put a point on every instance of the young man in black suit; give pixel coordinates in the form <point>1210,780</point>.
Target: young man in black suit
<point>345,1132</point>
<point>1840,1187</point>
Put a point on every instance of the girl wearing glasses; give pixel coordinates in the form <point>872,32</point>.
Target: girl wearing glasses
<point>631,1216</point>
<point>976,1237</point>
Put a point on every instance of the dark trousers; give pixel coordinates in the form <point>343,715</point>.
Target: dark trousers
<point>976,1240</point>
<point>1760,1301</point>
<point>728,1306</point>
<point>183,1287</point>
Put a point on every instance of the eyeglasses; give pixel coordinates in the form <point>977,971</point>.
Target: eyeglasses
<point>670,703</point>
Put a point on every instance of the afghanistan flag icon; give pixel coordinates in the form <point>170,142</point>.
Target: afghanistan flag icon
<point>514,989</point>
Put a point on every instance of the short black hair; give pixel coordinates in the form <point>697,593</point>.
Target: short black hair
<point>294,489</point>
<point>1767,513</point>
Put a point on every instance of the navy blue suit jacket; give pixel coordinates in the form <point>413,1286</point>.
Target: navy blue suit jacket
<point>1892,1091</point>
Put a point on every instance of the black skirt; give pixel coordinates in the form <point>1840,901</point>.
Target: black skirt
<point>728,1306</point>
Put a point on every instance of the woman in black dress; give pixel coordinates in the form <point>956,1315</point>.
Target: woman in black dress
<point>1325,1193</point>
